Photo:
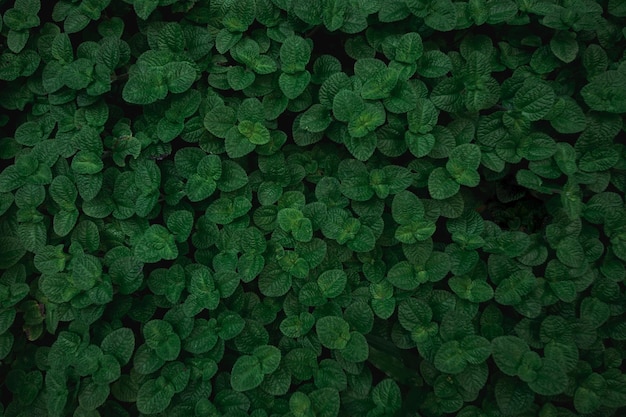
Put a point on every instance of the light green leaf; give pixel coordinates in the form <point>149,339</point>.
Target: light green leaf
<point>379,85</point>
<point>371,117</point>
<point>255,132</point>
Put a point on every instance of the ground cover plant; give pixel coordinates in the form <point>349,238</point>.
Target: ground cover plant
<point>312,208</point>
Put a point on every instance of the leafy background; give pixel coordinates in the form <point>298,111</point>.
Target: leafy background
<point>312,208</point>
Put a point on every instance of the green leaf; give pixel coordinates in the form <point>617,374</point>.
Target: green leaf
<point>255,132</point>
<point>595,60</point>
<point>551,379</point>
<point>62,48</point>
<point>239,78</point>
<point>564,46</point>
<point>233,177</point>
<point>409,48</point>
<point>315,119</point>
<point>599,159</point>
<point>58,287</point>
<point>296,326</point>
<point>463,163</point>
<point>145,87</point>
<point>199,188</point>
<point>180,223</point>
<point>441,185</point>
<point>50,259</point>
<point>85,162</point>
<point>512,397</point>
<point>247,373</point>
<point>450,358</point>
<point>434,64</point>
<point>406,207</point>
<point>333,332</point>
<point>379,85</point>
<point>179,76</point>
<point>371,117</point>
<point>475,291</point>
<point>269,358</point>
<point>154,396</point>
<point>386,394</point>
<point>362,148</point>
<point>295,53</point>
<point>423,118</point>
<point>441,15</point>
<point>120,343</point>
<point>476,349</point>
<point>220,120</point>
<point>160,337</point>
<point>510,291</point>
<point>357,349</point>
<point>617,8</point>
<point>534,99</point>
<point>332,282</point>
<point>292,85</point>
<point>606,92</point>
<point>144,8</point>
<point>347,105</point>
<point>64,221</point>
<point>155,244</point>
<point>507,352</point>
<point>334,13</point>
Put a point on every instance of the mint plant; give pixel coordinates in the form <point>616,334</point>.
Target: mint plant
<point>312,208</point>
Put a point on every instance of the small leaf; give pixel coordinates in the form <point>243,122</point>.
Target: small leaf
<point>255,132</point>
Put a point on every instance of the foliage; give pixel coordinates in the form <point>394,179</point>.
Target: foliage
<point>312,208</point>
